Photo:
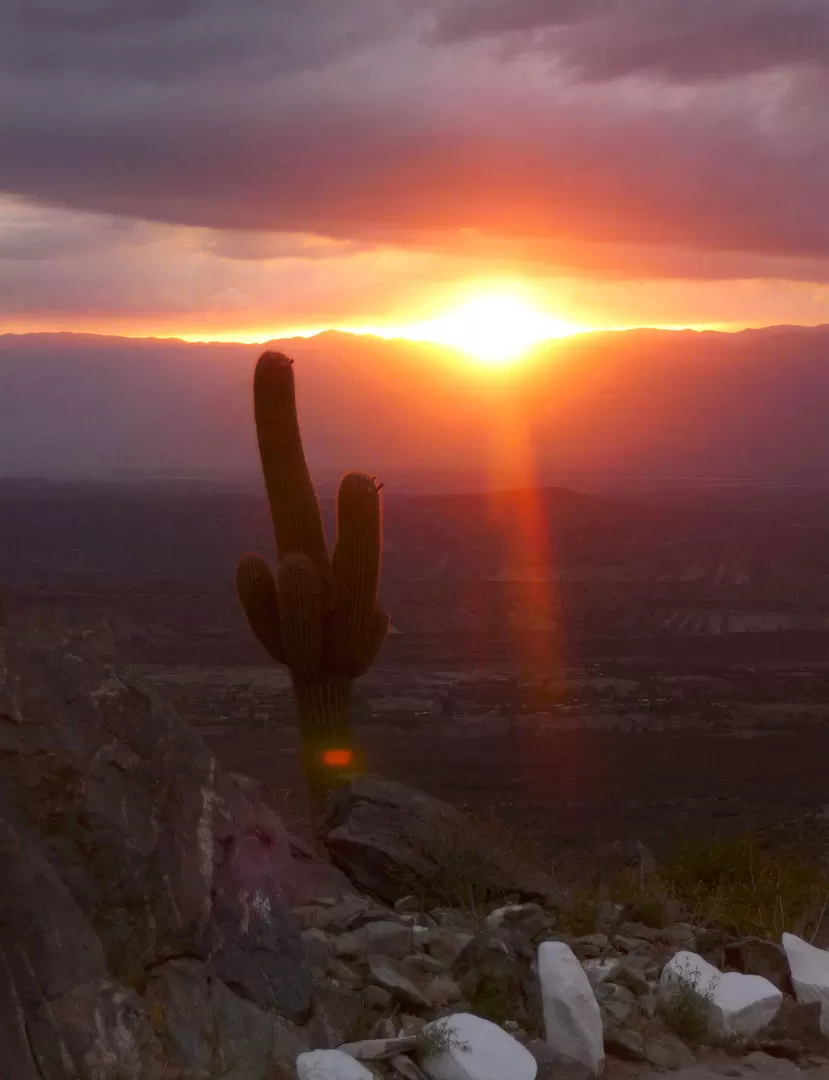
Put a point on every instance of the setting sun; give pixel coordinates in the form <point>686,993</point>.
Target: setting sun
<point>494,328</point>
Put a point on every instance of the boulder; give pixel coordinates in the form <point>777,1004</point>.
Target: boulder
<point>331,1065</point>
<point>572,1020</point>
<point>378,1049</point>
<point>124,845</point>
<point>386,837</point>
<point>387,938</point>
<point>732,1004</point>
<point>809,969</point>
<point>467,1047</point>
<point>403,982</point>
<point>526,919</point>
<point>59,1011</point>
<point>666,1051</point>
<point>798,1021</point>
<point>757,956</point>
<point>624,1044</point>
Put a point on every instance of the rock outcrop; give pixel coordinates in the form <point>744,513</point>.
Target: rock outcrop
<point>140,880</point>
<point>385,836</point>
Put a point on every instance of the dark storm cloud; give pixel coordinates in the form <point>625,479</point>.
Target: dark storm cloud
<point>686,40</point>
<point>170,41</point>
<point>374,121</point>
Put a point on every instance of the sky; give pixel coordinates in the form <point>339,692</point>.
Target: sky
<point>244,169</point>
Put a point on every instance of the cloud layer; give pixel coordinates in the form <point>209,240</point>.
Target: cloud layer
<point>552,137</point>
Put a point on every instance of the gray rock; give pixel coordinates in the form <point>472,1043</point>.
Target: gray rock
<point>406,1068</point>
<point>58,1008</point>
<point>629,944</point>
<point>447,943</point>
<point>552,1066</point>
<point>335,918</point>
<point>407,903</point>
<point>388,938</point>
<point>765,1063</point>
<point>337,1009</point>
<point>602,970</point>
<point>667,1052</point>
<point>318,948</point>
<point>679,936</point>
<point>382,833</point>
<point>178,996</point>
<point>527,919</point>
<point>756,956</point>
<point>590,946</point>
<point>379,1049</point>
<point>104,1030</point>
<point>376,997</point>
<point>798,1020</point>
<point>632,978</point>
<point>250,1042</point>
<point>627,1045</point>
<point>344,973</point>
<point>639,931</point>
<point>427,964</point>
<point>655,910</point>
<point>411,1025</point>
<point>401,981</point>
<point>780,1048</point>
<point>206,1029</point>
<point>442,991</point>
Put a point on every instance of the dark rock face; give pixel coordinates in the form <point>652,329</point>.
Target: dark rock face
<point>382,834</point>
<point>123,847</point>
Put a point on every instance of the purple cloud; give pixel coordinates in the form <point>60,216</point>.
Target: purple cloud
<point>409,123</point>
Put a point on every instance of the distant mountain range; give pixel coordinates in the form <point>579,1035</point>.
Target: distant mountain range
<point>641,403</point>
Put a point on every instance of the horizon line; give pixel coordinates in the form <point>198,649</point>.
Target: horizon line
<point>377,334</point>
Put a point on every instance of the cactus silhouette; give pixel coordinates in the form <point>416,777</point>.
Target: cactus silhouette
<point>320,615</point>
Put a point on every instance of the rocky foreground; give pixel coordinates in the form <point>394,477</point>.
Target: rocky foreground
<point>157,921</point>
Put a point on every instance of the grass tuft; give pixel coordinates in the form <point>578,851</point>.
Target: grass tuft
<point>686,1009</point>
<point>466,862</point>
<point>748,886</point>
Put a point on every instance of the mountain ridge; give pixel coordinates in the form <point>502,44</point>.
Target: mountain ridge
<point>748,405</point>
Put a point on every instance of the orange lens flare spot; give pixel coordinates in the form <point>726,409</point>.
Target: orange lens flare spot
<point>337,759</point>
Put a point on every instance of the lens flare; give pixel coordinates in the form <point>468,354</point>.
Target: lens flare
<point>337,759</point>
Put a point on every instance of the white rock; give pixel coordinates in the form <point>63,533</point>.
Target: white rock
<point>475,1049</point>
<point>735,1004</point>
<point>572,1020</point>
<point>810,974</point>
<point>330,1065</point>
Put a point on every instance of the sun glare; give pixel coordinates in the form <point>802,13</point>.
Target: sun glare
<point>493,329</point>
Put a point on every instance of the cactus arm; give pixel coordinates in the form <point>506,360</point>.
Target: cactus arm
<point>256,589</point>
<point>295,511</point>
<point>372,645</point>
<point>301,612</point>
<point>356,565</point>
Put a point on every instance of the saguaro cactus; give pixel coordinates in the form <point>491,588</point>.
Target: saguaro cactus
<point>320,615</point>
